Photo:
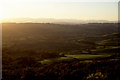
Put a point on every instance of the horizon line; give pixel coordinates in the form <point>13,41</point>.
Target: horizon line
<point>55,18</point>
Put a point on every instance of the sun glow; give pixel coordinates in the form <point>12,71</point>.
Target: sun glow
<point>0,13</point>
<point>58,10</point>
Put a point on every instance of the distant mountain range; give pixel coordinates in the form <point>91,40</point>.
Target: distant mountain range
<point>57,21</point>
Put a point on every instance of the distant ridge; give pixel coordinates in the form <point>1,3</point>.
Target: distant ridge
<point>52,20</point>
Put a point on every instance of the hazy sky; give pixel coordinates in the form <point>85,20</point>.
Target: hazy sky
<point>67,9</point>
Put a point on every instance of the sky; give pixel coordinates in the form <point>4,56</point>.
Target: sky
<point>67,9</point>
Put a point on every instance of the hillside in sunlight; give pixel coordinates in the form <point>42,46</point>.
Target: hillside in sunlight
<point>44,51</point>
<point>44,36</point>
